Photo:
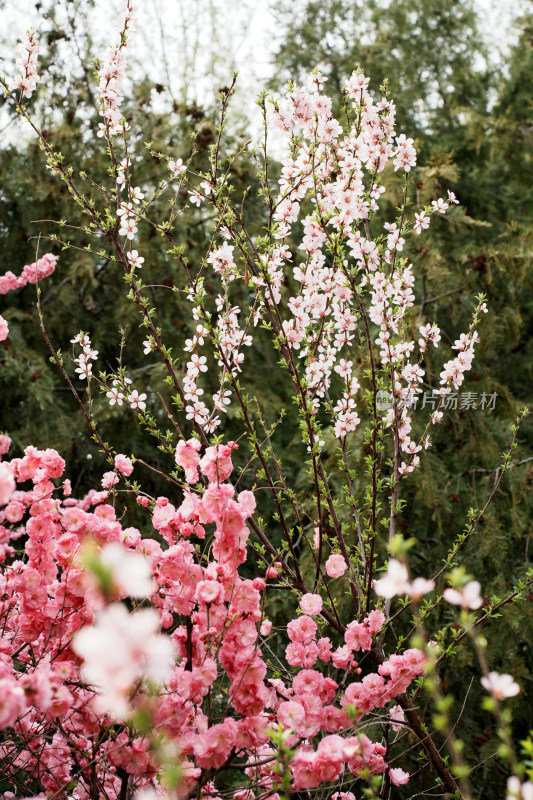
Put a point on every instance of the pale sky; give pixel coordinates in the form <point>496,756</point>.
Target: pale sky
<point>198,44</point>
<point>242,31</point>
<point>177,40</point>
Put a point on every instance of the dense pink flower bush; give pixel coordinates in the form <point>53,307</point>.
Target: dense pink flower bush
<point>75,660</point>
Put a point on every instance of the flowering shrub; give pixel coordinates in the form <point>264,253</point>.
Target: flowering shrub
<point>76,660</point>
<point>138,663</point>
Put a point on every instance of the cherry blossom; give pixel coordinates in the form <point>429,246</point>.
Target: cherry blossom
<point>123,464</point>
<point>421,222</point>
<point>398,776</point>
<point>27,78</point>
<point>136,261</point>
<point>311,604</point>
<point>4,329</point>
<point>500,686</point>
<point>395,580</point>
<point>516,790</point>
<point>467,597</point>
<point>195,198</point>
<point>405,155</point>
<point>7,484</point>
<point>128,229</point>
<point>336,566</point>
<point>115,396</point>
<point>136,400</point>
<point>130,572</point>
<point>31,273</point>
<point>118,650</point>
<point>177,167</point>
<point>110,75</point>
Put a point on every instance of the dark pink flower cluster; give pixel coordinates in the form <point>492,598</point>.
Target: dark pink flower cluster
<point>31,273</point>
<point>359,753</point>
<point>374,691</point>
<point>74,661</point>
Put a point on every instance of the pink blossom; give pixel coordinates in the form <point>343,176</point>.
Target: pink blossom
<point>27,78</point>
<point>324,649</point>
<point>500,686</point>
<point>336,566</point>
<point>311,604</point>
<point>187,457</point>
<point>124,464</point>
<point>7,484</point>
<point>118,650</point>
<point>394,581</point>
<point>396,714</point>
<point>342,657</point>
<point>301,654</point>
<point>398,777</point>
<point>213,747</point>
<point>31,273</point>
<point>14,511</point>
<point>467,597</point>
<point>375,621</point>
<point>109,479</point>
<point>307,680</point>
<point>329,758</point>
<point>4,329</point>
<point>5,444</point>
<point>216,464</point>
<point>12,701</point>
<point>302,630</point>
<point>357,636</point>
<point>209,592</point>
<point>291,715</point>
<point>303,770</point>
<point>131,573</point>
